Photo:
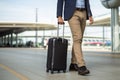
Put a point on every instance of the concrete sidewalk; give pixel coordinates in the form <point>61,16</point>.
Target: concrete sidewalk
<point>30,64</point>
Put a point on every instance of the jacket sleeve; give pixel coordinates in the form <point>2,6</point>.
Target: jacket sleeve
<point>89,13</point>
<point>60,7</point>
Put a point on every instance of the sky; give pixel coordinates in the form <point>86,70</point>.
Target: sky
<point>25,10</point>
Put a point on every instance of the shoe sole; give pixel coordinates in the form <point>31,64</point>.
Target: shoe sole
<point>84,73</point>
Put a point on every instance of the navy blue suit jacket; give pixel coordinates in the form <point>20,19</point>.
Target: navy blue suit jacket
<point>67,7</point>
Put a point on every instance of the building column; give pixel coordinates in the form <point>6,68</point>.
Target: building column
<point>16,40</point>
<point>8,41</point>
<point>11,40</point>
<point>36,38</point>
<point>2,39</point>
<point>5,40</point>
<point>115,35</point>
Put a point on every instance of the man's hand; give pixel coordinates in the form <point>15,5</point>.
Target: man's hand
<point>60,20</point>
<point>91,20</point>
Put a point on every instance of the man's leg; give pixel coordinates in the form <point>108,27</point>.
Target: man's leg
<point>77,24</point>
<point>77,33</point>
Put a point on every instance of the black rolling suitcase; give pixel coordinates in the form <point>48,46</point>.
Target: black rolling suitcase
<point>57,53</point>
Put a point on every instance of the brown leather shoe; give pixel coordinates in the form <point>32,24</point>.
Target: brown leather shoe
<point>83,70</point>
<point>73,67</point>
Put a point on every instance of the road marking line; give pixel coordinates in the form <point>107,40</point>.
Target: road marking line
<point>20,76</point>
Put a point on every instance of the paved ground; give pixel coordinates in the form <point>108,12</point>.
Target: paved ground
<point>30,64</point>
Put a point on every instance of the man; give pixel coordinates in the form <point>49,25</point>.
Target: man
<point>76,12</point>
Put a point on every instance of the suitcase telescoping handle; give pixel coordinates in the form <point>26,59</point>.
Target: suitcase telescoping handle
<point>63,24</point>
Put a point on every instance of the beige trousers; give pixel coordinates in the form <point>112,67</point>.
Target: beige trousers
<point>77,25</point>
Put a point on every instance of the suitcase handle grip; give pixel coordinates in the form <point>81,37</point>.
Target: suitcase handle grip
<point>61,23</point>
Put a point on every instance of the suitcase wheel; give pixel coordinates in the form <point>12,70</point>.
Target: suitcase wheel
<point>47,70</point>
<point>58,71</point>
<point>52,71</point>
<point>64,71</point>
